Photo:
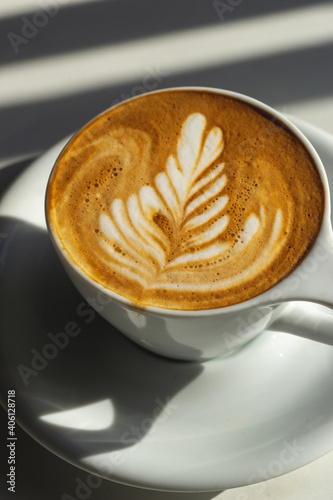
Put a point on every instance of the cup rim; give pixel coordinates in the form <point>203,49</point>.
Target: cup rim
<point>257,300</point>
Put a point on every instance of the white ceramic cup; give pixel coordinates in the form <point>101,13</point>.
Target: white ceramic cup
<point>204,334</point>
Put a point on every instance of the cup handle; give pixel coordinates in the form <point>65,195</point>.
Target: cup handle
<point>313,282</point>
<point>313,279</point>
<point>314,323</point>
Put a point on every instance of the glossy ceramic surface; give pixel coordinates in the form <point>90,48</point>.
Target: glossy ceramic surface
<point>101,402</point>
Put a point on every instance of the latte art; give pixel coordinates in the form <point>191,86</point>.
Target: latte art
<point>170,235</point>
<point>186,200</point>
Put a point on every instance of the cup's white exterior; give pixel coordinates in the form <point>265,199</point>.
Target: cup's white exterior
<point>199,335</point>
<point>182,335</point>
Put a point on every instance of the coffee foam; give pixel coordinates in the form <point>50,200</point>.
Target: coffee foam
<point>186,200</point>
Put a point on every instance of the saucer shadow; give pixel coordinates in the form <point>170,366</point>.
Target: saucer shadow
<point>79,382</point>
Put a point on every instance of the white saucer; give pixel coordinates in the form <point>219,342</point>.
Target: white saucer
<point>111,408</point>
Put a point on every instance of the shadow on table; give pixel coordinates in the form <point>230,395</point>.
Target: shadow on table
<point>289,76</point>
<point>89,25</point>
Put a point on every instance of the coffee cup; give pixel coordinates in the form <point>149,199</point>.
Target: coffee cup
<point>193,219</point>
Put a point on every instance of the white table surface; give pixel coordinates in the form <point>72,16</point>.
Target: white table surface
<point>81,56</point>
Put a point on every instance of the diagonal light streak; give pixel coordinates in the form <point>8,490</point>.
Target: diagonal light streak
<point>154,58</point>
<point>24,7</point>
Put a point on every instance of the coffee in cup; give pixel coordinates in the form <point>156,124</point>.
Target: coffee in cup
<point>186,199</point>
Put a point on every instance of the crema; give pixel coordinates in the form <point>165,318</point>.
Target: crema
<point>186,199</point>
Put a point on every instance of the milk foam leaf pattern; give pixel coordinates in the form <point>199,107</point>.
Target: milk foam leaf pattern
<point>175,227</point>
<point>161,222</point>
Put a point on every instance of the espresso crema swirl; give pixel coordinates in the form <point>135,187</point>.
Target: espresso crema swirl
<point>186,200</point>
